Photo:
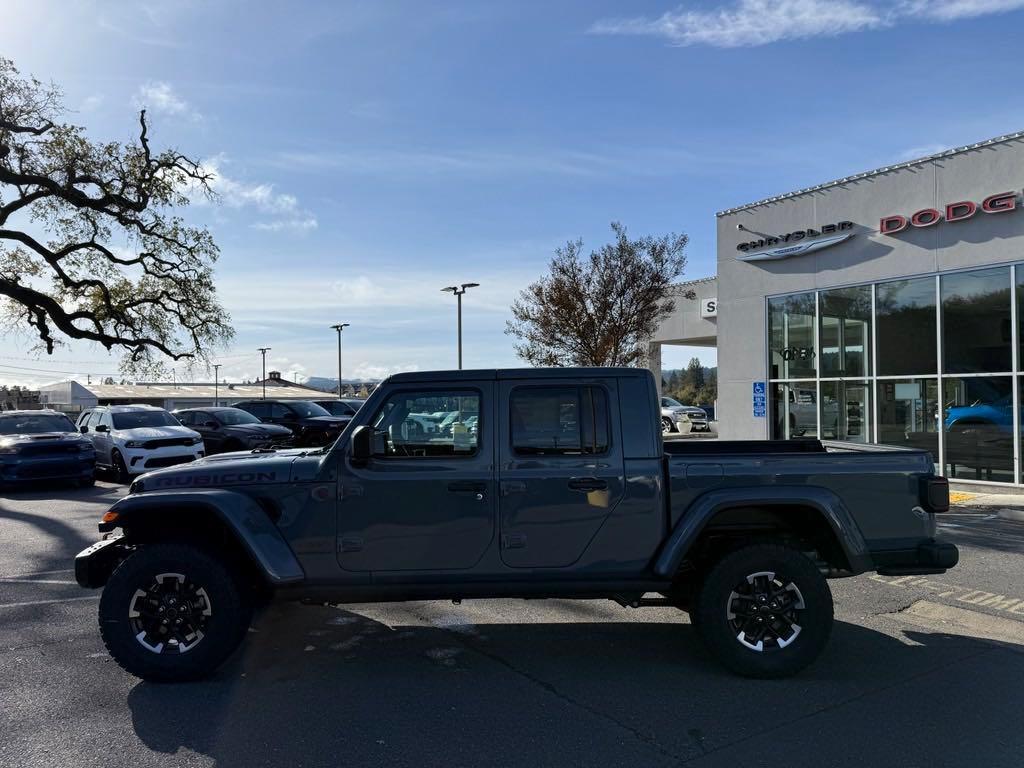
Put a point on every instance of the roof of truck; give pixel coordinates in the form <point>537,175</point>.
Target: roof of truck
<point>519,373</point>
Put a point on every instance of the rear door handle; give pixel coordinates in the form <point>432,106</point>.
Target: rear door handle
<point>467,486</point>
<point>588,484</point>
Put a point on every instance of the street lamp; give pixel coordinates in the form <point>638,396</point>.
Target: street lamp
<point>339,328</point>
<point>263,351</point>
<point>216,381</point>
<point>457,291</point>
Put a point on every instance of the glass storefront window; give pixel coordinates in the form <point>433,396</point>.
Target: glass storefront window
<point>845,332</point>
<point>791,336</point>
<point>905,318</point>
<point>846,411</point>
<point>795,408</point>
<point>976,321</point>
<point>908,414</point>
<point>978,420</point>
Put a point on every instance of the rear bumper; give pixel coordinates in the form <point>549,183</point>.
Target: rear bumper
<point>929,556</point>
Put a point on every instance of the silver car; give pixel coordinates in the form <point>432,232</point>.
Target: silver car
<point>674,414</point>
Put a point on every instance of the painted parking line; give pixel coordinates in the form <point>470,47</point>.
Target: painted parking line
<point>48,602</point>
<point>1010,605</point>
<point>37,581</point>
<point>37,573</point>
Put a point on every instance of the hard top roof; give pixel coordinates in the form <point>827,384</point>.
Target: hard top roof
<point>519,373</point>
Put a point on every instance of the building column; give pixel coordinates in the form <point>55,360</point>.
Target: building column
<point>654,363</point>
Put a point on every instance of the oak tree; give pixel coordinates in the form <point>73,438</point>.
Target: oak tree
<point>599,309</point>
<point>92,247</point>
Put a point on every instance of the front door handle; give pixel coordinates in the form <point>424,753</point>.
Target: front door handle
<point>588,484</point>
<point>466,486</point>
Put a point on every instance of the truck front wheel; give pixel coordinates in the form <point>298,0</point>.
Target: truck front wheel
<point>764,611</point>
<point>172,612</point>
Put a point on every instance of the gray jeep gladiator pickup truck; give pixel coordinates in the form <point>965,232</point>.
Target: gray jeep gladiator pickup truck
<point>537,483</point>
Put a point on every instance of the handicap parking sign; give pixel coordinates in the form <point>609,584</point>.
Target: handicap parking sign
<point>760,400</point>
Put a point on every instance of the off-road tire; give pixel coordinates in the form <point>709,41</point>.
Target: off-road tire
<point>230,612</point>
<point>716,622</point>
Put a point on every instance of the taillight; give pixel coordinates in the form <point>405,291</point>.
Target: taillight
<point>936,494</point>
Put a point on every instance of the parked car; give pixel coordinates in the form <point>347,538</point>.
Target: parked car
<point>43,445</point>
<point>345,406</point>
<point>578,498</point>
<point>674,413</point>
<point>132,439</point>
<point>310,424</point>
<point>231,429</point>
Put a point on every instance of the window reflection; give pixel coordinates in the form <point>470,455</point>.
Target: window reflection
<point>791,336</point>
<point>846,411</point>
<point>905,314</point>
<point>908,414</point>
<point>976,321</point>
<point>978,419</point>
<point>845,334</point>
<point>795,410</point>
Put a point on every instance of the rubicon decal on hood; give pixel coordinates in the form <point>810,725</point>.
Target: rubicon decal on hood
<point>197,480</point>
<point>808,246</point>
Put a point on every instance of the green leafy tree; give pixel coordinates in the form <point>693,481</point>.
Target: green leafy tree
<point>599,309</point>
<point>91,247</point>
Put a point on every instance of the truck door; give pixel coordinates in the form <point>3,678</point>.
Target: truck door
<point>560,471</point>
<point>425,500</point>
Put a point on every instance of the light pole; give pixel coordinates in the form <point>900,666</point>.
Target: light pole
<point>263,351</point>
<point>457,291</point>
<point>339,328</point>
<point>216,381</point>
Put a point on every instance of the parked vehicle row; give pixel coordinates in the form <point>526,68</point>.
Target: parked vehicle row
<point>310,424</point>
<point>43,445</point>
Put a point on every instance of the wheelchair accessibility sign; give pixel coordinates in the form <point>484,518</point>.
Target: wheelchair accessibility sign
<point>760,400</point>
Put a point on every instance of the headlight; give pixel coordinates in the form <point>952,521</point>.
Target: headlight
<point>85,446</point>
<point>8,448</point>
<point>195,441</point>
<point>133,444</point>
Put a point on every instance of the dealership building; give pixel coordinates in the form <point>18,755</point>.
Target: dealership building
<point>882,308</point>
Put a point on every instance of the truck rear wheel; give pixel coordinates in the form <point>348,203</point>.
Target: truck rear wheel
<point>172,612</point>
<point>764,611</point>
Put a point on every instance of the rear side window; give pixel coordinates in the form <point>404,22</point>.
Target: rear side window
<point>259,410</point>
<point>186,418</point>
<point>553,421</point>
<point>279,411</point>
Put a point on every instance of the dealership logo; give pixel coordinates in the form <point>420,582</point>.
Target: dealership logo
<point>959,211</point>
<point>795,243</point>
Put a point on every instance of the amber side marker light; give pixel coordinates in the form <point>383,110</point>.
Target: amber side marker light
<point>110,517</point>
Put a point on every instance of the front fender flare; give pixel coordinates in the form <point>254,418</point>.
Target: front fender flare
<point>705,507</point>
<point>242,516</point>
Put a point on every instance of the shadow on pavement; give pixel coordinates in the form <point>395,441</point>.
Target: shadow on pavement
<point>322,686</point>
<point>67,540</point>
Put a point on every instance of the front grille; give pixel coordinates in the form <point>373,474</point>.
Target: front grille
<point>167,461</point>
<point>47,449</point>
<point>167,442</point>
<point>50,469</point>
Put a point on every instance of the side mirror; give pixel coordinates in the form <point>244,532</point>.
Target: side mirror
<point>102,428</point>
<point>361,442</point>
<point>83,429</point>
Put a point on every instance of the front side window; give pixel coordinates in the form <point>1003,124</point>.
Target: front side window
<point>405,427</point>
<point>187,418</point>
<point>559,421</point>
<point>259,410</point>
<point>307,409</point>
<point>279,411</point>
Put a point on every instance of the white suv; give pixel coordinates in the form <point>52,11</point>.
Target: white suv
<point>132,439</point>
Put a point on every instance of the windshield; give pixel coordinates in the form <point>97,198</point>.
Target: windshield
<point>136,419</point>
<point>35,424</point>
<point>306,409</point>
<point>236,416</point>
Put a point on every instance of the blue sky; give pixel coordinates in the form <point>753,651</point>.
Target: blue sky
<point>369,153</point>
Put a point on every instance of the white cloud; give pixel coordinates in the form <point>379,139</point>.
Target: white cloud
<point>925,150</point>
<point>160,96</point>
<point>760,22</point>
<point>282,211</point>
<point>92,103</point>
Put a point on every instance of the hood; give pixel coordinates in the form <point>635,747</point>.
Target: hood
<point>155,433</point>
<point>687,409</point>
<point>45,438</point>
<point>262,467</point>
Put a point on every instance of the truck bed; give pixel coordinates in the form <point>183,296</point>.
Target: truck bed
<point>744,447</point>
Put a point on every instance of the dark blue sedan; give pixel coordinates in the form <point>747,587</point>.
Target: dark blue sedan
<point>43,445</point>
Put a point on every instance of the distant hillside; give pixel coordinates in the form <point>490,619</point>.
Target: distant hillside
<point>331,385</point>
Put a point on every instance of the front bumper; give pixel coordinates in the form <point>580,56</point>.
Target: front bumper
<point>140,460</point>
<point>60,467</point>
<point>928,557</point>
<point>94,564</point>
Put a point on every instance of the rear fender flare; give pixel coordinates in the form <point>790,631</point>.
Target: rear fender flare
<point>242,516</point>
<point>705,507</point>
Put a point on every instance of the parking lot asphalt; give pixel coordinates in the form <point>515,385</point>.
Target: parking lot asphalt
<point>920,671</point>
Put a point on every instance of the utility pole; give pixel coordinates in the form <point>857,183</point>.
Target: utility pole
<point>457,291</point>
<point>216,382</point>
<point>263,351</point>
<point>339,328</point>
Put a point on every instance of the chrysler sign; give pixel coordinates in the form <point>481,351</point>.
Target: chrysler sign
<point>959,211</point>
<point>795,243</point>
